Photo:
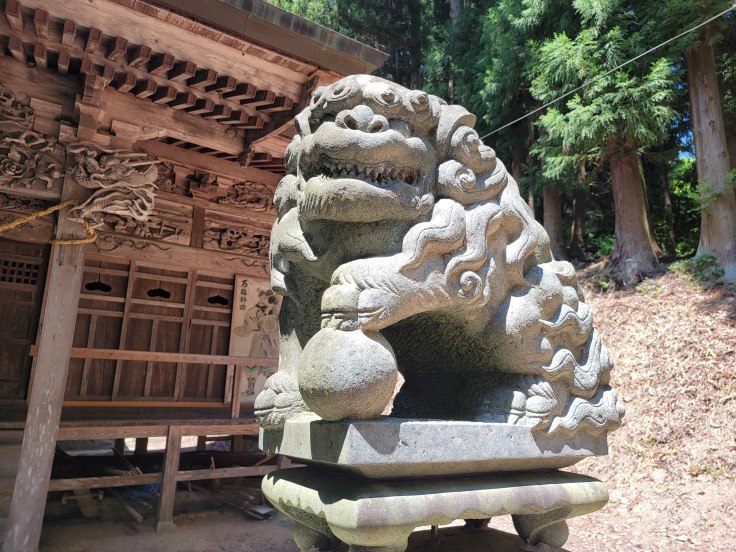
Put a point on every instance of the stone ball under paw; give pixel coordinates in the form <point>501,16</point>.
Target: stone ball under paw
<point>347,374</point>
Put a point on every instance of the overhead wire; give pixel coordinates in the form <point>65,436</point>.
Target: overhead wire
<point>599,77</point>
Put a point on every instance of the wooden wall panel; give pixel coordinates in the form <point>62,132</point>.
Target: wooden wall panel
<point>22,273</point>
<point>158,309</point>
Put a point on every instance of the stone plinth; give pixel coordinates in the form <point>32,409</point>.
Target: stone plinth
<point>460,539</point>
<point>394,447</point>
<point>379,516</point>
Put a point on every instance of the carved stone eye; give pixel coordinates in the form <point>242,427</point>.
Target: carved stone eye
<point>389,97</point>
<point>419,100</point>
<point>339,91</point>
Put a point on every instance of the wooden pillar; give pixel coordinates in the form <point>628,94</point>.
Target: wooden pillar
<point>165,518</point>
<point>141,445</point>
<point>55,336</point>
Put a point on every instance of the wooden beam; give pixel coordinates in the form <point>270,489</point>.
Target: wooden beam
<point>117,49</point>
<point>206,163</point>
<point>62,65</point>
<point>46,86</point>
<point>39,56</point>
<point>108,73</point>
<point>201,106</point>
<point>242,92</point>
<point>69,32</point>
<point>185,100</point>
<point>41,23</point>
<point>16,48</point>
<point>164,95</point>
<point>222,85</point>
<point>112,481</point>
<point>144,89</point>
<point>69,432</point>
<point>125,83</point>
<point>139,56</point>
<point>162,68</point>
<point>221,473</point>
<point>94,40</point>
<point>262,97</point>
<point>75,483</point>
<point>127,108</point>
<point>165,516</point>
<point>161,64</point>
<point>14,14</point>
<point>158,356</point>
<point>218,112</point>
<point>202,79</point>
<point>182,71</point>
<point>209,260</point>
<point>280,104</point>
<point>57,322</point>
<point>271,74</point>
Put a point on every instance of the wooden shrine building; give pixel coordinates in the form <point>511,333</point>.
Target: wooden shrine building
<point>142,308</point>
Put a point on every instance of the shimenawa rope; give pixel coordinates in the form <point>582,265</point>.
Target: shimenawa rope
<point>91,234</point>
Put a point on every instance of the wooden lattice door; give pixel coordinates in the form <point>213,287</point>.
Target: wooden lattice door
<point>22,272</point>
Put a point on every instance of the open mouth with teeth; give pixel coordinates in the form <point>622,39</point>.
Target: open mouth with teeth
<point>377,175</point>
<point>354,192</point>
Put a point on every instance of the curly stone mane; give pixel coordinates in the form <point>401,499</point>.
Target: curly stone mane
<point>397,221</point>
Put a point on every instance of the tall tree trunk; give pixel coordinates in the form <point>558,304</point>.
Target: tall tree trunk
<point>552,222</point>
<point>519,156</point>
<point>718,214</point>
<point>456,8</point>
<point>633,255</point>
<point>579,200</point>
<point>732,149</point>
<point>669,219</point>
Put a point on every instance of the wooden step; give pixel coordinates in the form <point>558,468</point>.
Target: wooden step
<point>9,456</point>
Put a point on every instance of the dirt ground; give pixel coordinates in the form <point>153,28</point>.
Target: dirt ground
<point>671,468</point>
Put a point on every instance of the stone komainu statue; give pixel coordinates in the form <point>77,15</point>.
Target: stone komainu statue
<point>403,243</point>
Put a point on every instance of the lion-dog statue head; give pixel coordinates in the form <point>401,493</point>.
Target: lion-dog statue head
<point>402,240</point>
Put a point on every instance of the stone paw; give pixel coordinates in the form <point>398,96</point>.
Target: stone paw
<point>279,400</point>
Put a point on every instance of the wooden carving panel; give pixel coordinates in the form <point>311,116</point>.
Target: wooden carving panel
<point>254,333</point>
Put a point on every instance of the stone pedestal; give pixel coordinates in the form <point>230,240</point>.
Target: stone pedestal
<point>379,516</point>
<point>388,447</point>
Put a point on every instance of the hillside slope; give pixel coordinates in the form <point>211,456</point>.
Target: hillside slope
<point>672,466</point>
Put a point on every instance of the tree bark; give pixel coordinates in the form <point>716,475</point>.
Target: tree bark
<point>456,8</point>
<point>732,149</point>
<point>633,255</point>
<point>669,219</point>
<point>579,201</point>
<point>519,156</point>
<point>552,222</point>
<point>718,209</point>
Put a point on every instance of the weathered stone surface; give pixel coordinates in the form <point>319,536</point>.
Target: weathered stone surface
<point>402,243</point>
<point>395,447</point>
<point>373,515</point>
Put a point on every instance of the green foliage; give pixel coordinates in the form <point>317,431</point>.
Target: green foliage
<point>626,109</point>
<point>601,244</point>
<point>504,58</point>
<point>703,269</point>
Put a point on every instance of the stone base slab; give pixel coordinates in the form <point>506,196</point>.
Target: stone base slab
<point>379,516</point>
<point>394,447</point>
<point>460,539</point>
